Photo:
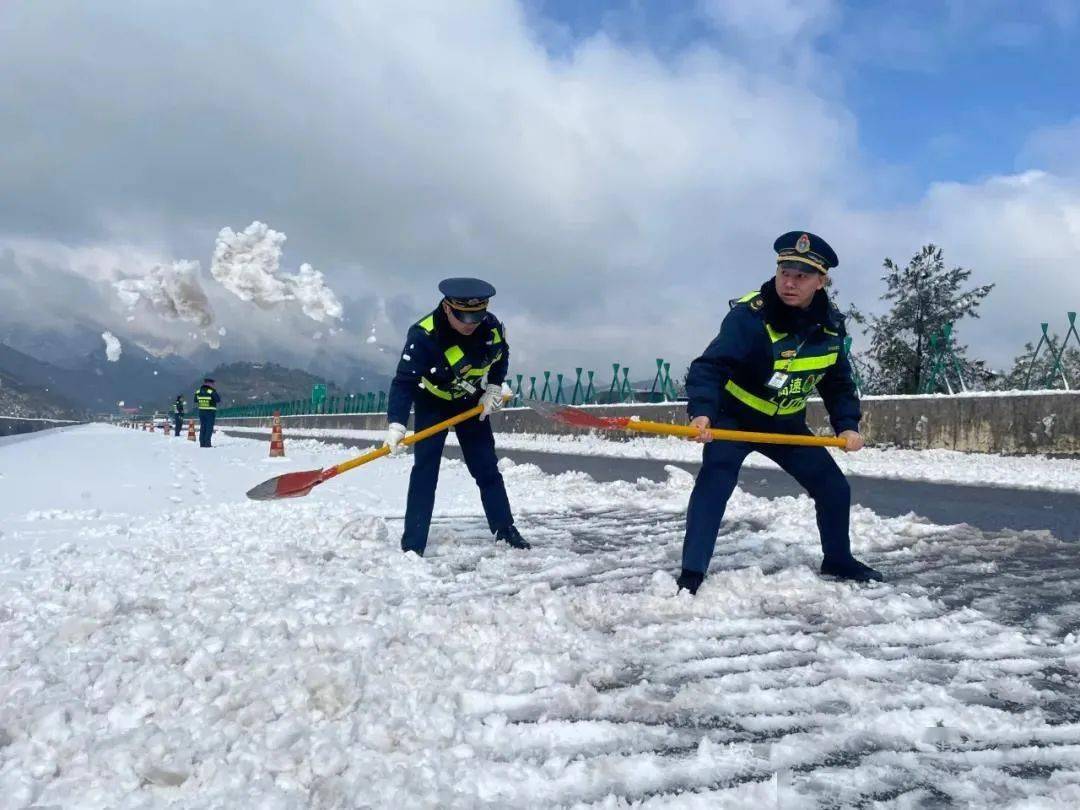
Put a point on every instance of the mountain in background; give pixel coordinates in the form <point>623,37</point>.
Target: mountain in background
<point>245,383</point>
<point>18,398</point>
<point>94,384</point>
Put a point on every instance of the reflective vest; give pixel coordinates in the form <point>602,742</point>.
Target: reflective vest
<point>204,399</point>
<point>465,377</point>
<point>802,362</point>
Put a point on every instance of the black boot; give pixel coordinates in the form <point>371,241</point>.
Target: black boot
<point>512,537</point>
<point>690,581</point>
<point>850,568</point>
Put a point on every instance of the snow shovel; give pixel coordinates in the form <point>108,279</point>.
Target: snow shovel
<point>297,484</point>
<point>576,417</point>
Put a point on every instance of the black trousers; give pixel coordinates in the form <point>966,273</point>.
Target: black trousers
<point>176,421</point>
<point>206,426</point>
<point>478,448</point>
<point>812,467</point>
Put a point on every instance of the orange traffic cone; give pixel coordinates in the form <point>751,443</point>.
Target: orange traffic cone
<point>191,430</point>
<point>277,443</point>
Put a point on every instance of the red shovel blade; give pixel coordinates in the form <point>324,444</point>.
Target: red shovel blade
<point>576,417</point>
<point>289,485</point>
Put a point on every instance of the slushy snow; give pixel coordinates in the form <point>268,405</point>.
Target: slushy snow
<point>165,642</point>
<point>940,466</point>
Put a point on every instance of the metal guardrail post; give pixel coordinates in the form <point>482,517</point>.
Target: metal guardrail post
<point>613,395</point>
<point>575,397</point>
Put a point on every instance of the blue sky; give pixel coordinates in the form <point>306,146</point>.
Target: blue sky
<point>940,91</point>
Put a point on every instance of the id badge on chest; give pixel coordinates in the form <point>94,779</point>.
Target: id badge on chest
<point>778,380</point>
<point>465,386</point>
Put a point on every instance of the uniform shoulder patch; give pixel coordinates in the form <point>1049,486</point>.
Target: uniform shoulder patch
<point>757,303</point>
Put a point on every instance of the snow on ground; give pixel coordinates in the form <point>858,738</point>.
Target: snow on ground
<point>941,466</point>
<point>165,642</point>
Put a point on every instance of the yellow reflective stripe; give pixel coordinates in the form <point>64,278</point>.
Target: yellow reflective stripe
<point>428,323</point>
<point>805,363</point>
<point>434,389</point>
<point>745,397</point>
<point>477,372</point>
<point>830,332</point>
<point>790,409</point>
<point>749,297</point>
<point>495,337</point>
<point>454,355</point>
<point>775,336</point>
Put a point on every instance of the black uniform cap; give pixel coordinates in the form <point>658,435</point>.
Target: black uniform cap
<point>805,247</point>
<point>208,379</point>
<point>468,297</point>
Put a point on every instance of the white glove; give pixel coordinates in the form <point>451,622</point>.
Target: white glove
<point>491,400</point>
<point>395,432</point>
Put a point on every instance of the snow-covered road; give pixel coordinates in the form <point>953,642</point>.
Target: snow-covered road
<point>938,466</point>
<point>164,642</point>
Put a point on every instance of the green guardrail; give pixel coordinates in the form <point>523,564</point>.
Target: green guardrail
<point>1056,369</point>
<point>365,402</point>
<point>588,391</point>
<point>553,387</point>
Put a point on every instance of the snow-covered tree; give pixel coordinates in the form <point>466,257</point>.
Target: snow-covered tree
<point>1043,373</point>
<point>925,297</point>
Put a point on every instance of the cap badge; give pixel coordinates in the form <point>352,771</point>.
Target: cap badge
<point>803,245</point>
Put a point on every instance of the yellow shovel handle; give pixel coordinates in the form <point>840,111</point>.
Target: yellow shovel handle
<point>413,439</point>
<point>686,431</point>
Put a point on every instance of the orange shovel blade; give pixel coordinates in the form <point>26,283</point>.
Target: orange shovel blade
<point>289,485</point>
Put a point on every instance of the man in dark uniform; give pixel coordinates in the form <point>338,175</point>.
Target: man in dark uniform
<point>178,414</point>
<point>776,345</point>
<point>206,400</point>
<point>454,358</point>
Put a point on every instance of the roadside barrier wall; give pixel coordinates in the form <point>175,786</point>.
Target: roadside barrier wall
<point>1013,423</point>
<point>14,425</point>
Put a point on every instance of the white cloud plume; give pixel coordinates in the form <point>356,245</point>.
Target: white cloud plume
<point>173,291</point>
<point>112,347</point>
<point>247,265</point>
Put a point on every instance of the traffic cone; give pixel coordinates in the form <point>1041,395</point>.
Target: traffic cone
<point>277,443</point>
<point>191,430</point>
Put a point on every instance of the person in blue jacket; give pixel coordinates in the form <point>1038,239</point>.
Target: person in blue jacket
<point>178,414</point>
<point>454,358</point>
<point>776,346</point>
<point>206,402</point>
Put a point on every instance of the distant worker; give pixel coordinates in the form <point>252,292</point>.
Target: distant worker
<point>206,401</point>
<point>177,414</point>
<point>776,346</point>
<point>454,358</point>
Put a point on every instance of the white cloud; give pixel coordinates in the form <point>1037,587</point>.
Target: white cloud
<point>174,292</point>
<point>616,200</point>
<point>112,347</point>
<point>247,265</point>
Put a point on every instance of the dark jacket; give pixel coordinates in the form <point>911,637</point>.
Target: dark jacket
<point>441,363</point>
<point>178,406</point>
<point>207,392</point>
<point>748,352</point>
